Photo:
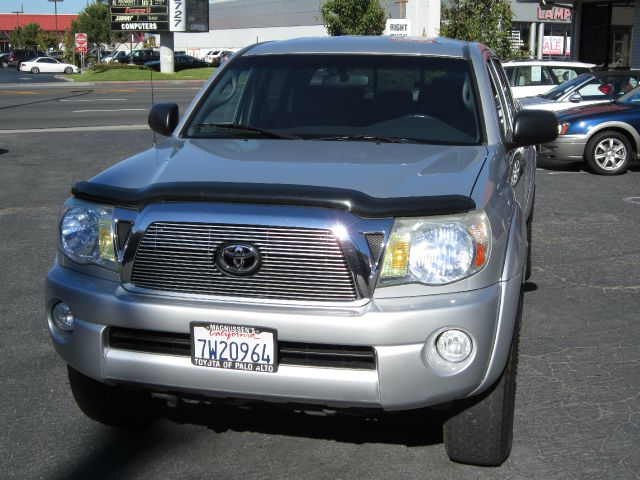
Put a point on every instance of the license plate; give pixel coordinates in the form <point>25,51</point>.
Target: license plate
<point>234,347</point>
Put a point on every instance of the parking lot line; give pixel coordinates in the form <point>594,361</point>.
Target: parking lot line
<point>76,129</point>
<point>113,110</point>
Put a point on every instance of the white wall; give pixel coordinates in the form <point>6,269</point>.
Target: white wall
<point>424,16</point>
<point>241,37</point>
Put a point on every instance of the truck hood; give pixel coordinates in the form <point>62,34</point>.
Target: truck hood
<point>378,170</point>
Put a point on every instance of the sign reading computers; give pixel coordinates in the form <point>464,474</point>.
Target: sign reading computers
<point>160,15</point>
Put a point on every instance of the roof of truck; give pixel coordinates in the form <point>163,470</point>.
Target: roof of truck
<point>389,45</point>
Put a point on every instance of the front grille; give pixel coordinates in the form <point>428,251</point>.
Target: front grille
<point>289,353</point>
<point>297,263</point>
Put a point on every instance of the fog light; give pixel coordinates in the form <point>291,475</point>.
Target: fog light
<point>454,345</point>
<point>62,316</point>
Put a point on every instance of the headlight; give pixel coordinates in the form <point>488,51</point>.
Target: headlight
<point>563,127</point>
<point>86,235</point>
<point>436,250</point>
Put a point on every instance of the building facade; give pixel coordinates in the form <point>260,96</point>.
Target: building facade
<point>51,23</point>
<point>237,23</point>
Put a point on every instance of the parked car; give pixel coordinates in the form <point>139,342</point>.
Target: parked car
<point>17,56</point>
<point>313,233</point>
<point>140,57</point>
<point>57,54</point>
<point>180,62</point>
<point>605,136</point>
<point>4,60</point>
<point>214,57</point>
<point>586,89</point>
<point>47,65</point>
<point>531,77</point>
<point>115,57</point>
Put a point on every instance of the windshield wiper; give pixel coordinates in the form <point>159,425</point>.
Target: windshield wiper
<point>367,138</point>
<point>246,128</point>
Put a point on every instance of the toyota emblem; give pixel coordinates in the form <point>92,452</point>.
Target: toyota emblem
<point>239,259</point>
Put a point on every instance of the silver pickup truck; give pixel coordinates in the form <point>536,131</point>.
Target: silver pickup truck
<point>333,222</point>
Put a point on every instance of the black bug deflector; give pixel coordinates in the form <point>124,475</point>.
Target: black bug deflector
<point>353,201</point>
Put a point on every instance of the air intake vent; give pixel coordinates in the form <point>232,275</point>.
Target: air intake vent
<point>375,241</point>
<point>302,264</point>
<point>123,230</point>
<point>289,353</point>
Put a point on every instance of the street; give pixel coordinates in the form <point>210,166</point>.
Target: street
<point>578,399</point>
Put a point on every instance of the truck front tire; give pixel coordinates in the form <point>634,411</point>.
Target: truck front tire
<point>480,429</point>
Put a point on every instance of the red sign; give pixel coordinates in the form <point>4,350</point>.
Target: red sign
<point>81,40</point>
<point>556,13</point>
<point>81,49</point>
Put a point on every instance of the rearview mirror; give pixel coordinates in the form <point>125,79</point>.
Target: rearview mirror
<point>533,127</point>
<point>163,118</point>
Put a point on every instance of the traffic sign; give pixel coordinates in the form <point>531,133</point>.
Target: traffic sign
<point>81,40</point>
<point>81,49</point>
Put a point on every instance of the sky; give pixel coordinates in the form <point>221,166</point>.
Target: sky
<point>43,6</point>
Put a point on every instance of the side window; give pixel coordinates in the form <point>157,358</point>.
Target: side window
<point>505,93</point>
<point>499,103</point>
<point>622,84</point>
<point>562,74</point>
<point>597,89</point>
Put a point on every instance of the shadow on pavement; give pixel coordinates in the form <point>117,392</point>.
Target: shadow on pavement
<point>417,428</point>
<point>530,287</point>
<point>2,150</point>
<point>113,454</point>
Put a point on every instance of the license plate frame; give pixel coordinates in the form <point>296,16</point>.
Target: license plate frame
<point>261,343</point>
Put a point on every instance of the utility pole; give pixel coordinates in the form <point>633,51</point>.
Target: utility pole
<point>55,9</point>
<point>17,12</point>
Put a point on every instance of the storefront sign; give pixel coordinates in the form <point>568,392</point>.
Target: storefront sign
<point>554,45</point>
<point>555,14</point>
<point>160,15</point>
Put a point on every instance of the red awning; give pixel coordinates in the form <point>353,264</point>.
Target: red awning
<point>9,21</point>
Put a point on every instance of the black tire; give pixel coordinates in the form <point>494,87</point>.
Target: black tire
<point>35,70</point>
<point>608,153</point>
<point>529,268</point>
<point>112,406</point>
<point>68,70</point>
<point>480,429</point>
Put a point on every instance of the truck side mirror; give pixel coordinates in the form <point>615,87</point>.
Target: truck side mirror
<point>163,118</point>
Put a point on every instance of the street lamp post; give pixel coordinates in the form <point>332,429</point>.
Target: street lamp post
<point>55,9</point>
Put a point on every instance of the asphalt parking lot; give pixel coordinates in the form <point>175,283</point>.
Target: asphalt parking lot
<point>578,400</point>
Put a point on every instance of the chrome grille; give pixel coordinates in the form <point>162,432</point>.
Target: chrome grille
<point>297,263</point>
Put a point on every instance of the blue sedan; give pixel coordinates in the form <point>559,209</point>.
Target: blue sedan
<point>606,136</point>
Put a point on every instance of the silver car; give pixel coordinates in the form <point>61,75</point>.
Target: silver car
<point>334,222</point>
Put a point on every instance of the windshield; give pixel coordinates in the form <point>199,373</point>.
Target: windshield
<point>630,98</point>
<point>558,91</point>
<point>342,97</point>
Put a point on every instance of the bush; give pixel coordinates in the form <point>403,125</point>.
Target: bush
<point>103,67</point>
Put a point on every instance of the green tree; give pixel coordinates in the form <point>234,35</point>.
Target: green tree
<point>25,36</point>
<point>47,40</point>
<point>94,21</point>
<point>484,21</point>
<point>353,17</point>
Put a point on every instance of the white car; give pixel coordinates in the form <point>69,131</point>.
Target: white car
<point>47,65</point>
<point>531,77</point>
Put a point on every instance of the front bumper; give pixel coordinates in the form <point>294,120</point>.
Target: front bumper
<point>565,147</point>
<point>401,330</point>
